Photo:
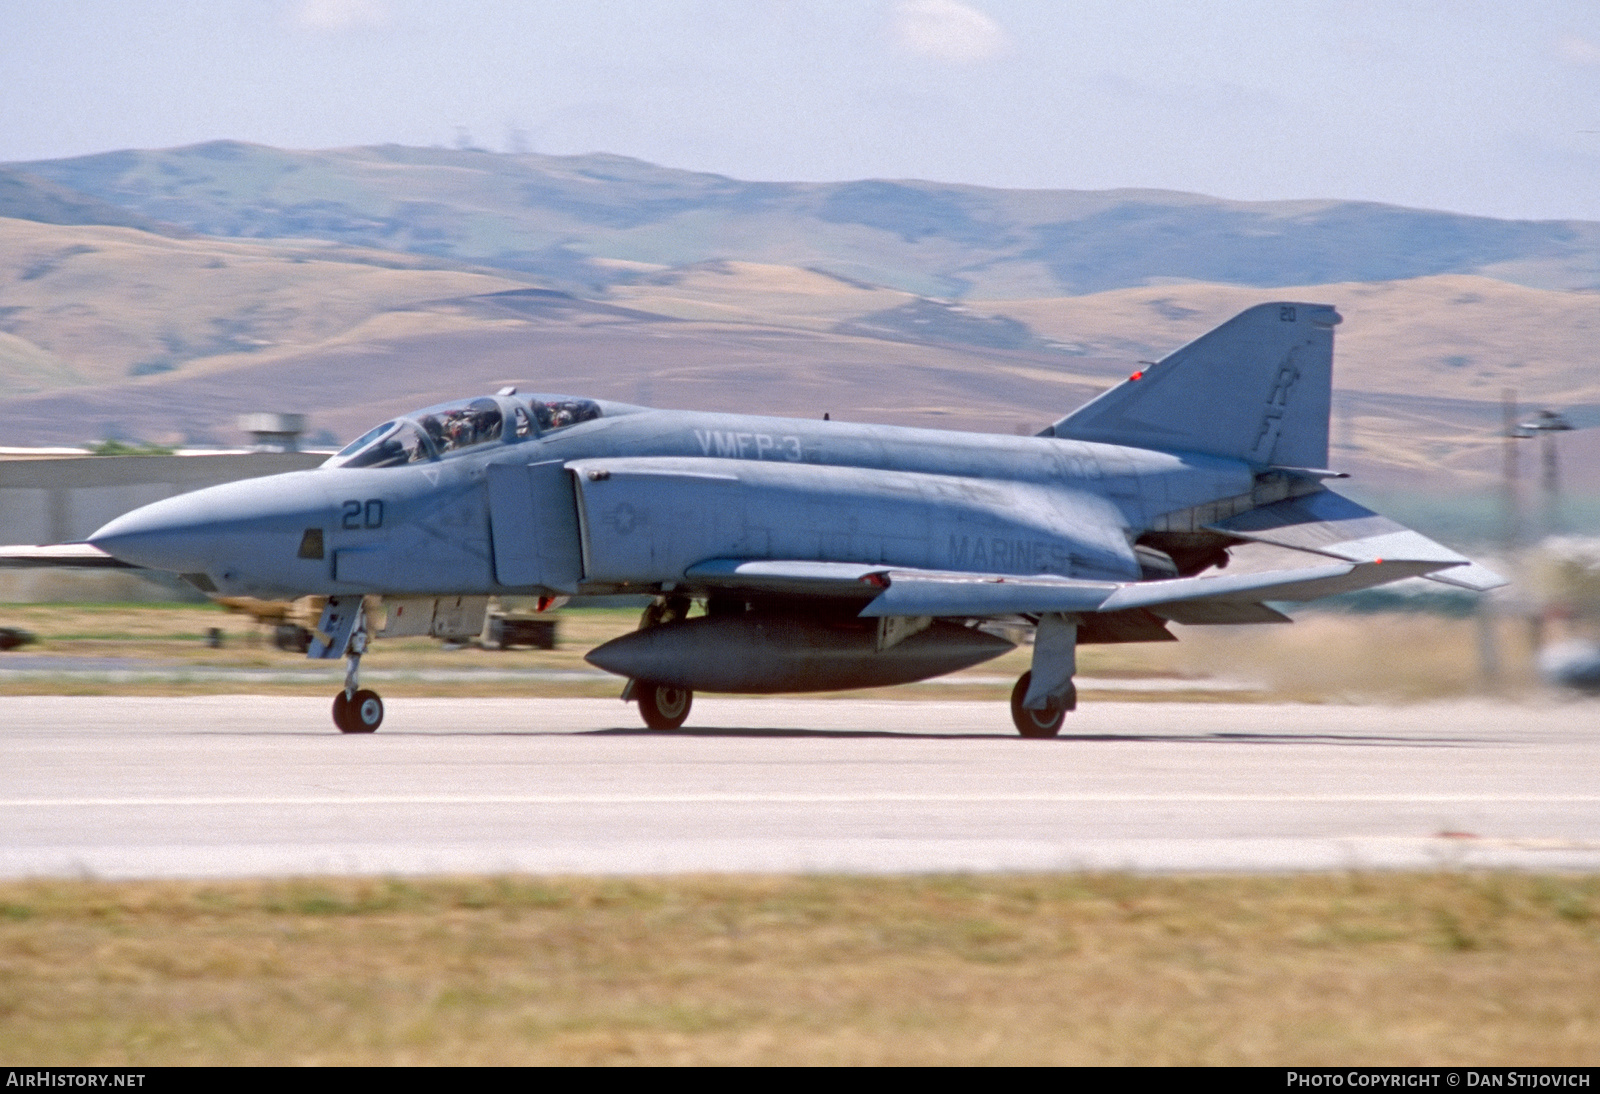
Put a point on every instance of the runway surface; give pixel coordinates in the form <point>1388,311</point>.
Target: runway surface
<point>263,786</point>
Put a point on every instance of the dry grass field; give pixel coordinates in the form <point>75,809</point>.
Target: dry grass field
<point>92,305</point>
<point>1393,969</point>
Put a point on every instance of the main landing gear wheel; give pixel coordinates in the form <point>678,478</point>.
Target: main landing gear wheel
<point>361,713</point>
<point>663,706</point>
<point>1040,723</point>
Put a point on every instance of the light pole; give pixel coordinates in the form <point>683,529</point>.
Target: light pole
<point>1510,434</point>
<point>1489,663</point>
<point>1546,424</point>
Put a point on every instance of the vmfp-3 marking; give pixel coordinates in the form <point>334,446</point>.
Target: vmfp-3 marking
<point>749,446</point>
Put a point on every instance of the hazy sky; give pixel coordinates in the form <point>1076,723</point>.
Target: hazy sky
<point>1469,105</point>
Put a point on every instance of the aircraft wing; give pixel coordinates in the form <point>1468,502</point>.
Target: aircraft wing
<point>1298,549</point>
<point>1220,598</point>
<point>1216,598</point>
<point>76,556</point>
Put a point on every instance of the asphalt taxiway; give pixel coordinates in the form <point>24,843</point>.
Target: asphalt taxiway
<point>263,786</point>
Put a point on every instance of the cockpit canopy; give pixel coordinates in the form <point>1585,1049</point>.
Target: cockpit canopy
<point>558,412</point>
<point>437,431</point>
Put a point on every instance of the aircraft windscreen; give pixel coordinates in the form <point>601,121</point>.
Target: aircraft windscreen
<point>390,444</point>
<point>427,435</point>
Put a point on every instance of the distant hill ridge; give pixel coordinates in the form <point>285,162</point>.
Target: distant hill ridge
<point>27,197</point>
<point>588,222</point>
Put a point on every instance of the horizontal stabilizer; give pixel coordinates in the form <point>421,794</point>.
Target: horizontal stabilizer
<point>73,556</point>
<point>1330,524</point>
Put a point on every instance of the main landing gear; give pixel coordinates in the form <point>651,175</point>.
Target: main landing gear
<point>1045,693</point>
<point>662,706</point>
<point>1041,723</point>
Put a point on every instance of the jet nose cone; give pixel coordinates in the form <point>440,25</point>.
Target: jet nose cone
<point>167,535</point>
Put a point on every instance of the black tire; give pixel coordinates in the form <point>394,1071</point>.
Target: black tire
<point>366,712</point>
<point>663,706</point>
<point>341,713</point>
<point>1040,723</point>
<point>361,714</point>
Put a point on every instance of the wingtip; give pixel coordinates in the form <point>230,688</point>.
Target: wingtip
<point>1473,577</point>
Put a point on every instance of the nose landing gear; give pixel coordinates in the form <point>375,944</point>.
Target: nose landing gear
<point>343,631</point>
<point>357,709</point>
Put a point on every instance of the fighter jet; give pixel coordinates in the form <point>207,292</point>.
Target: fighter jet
<point>787,555</point>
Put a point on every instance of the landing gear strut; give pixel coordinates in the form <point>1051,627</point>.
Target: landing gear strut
<point>1044,694</point>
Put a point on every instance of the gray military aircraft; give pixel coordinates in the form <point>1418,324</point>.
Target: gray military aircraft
<point>826,555</point>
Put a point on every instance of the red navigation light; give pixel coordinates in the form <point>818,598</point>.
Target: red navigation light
<point>1137,375</point>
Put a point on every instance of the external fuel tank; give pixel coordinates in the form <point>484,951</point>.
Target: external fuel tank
<point>759,653</point>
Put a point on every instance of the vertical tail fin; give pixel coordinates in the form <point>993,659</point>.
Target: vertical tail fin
<point>1257,388</point>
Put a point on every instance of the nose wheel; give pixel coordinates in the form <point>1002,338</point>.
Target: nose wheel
<point>358,713</point>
